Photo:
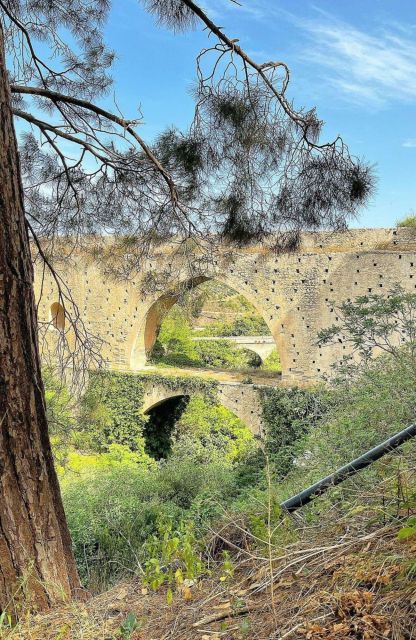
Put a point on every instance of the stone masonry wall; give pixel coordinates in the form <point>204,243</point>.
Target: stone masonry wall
<point>292,291</point>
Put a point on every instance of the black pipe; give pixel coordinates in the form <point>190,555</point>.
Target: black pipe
<point>307,495</point>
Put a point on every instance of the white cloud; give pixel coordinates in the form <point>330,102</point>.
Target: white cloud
<point>410,143</point>
<point>365,68</point>
<point>256,10</point>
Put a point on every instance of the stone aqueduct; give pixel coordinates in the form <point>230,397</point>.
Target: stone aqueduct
<point>293,292</point>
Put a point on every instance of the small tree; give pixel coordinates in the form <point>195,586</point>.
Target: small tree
<point>374,325</point>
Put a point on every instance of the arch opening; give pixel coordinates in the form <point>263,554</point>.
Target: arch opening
<point>194,426</point>
<point>57,316</point>
<point>205,324</point>
<point>162,418</point>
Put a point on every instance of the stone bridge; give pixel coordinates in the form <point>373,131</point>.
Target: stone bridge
<point>242,399</point>
<point>262,345</point>
<point>295,292</point>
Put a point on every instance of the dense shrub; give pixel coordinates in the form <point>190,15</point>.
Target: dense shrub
<point>175,335</point>
<point>288,416</point>
<point>378,404</point>
<point>272,362</point>
<point>184,352</point>
<point>408,221</point>
<point>114,506</point>
<point>111,412</point>
<point>208,432</point>
<point>248,325</point>
<point>111,512</point>
<point>223,354</point>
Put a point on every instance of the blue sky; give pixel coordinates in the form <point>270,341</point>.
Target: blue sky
<point>354,60</point>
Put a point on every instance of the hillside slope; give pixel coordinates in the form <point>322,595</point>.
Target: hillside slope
<point>356,585</point>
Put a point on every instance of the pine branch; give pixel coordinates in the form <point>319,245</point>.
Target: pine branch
<point>127,125</point>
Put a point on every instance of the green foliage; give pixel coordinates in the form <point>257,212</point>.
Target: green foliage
<point>184,352</point>
<point>208,432</point>
<point>184,482</point>
<point>174,556</point>
<point>113,510</point>
<point>6,621</point>
<point>378,404</point>
<point>374,324</point>
<point>288,415</point>
<point>248,325</point>
<point>272,362</point>
<point>408,221</point>
<point>227,567</point>
<point>223,354</point>
<point>117,456</point>
<point>175,334</point>
<point>186,383</point>
<point>128,627</point>
<point>111,412</point>
<point>409,530</point>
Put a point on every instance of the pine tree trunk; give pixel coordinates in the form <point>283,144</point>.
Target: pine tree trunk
<point>35,546</point>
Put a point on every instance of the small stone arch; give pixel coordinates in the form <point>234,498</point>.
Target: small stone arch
<point>57,316</point>
<point>242,399</point>
<point>156,399</point>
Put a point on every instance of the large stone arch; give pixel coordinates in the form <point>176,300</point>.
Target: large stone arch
<point>144,335</point>
<point>144,332</point>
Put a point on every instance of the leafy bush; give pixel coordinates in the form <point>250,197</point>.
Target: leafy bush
<point>272,362</point>
<point>174,556</point>
<point>111,413</point>
<point>288,416</point>
<point>408,221</point>
<point>111,512</point>
<point>374,324</point>
<point>175,334</point>
<point>249,325</point>
<point>375,406</point>
<point>206,432</point>
<point>223,354</point>
<point>114,508</point>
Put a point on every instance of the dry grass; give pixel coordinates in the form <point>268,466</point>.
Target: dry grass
<point>354,586</point>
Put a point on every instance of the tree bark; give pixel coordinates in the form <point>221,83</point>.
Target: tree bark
<point>36,559</point>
